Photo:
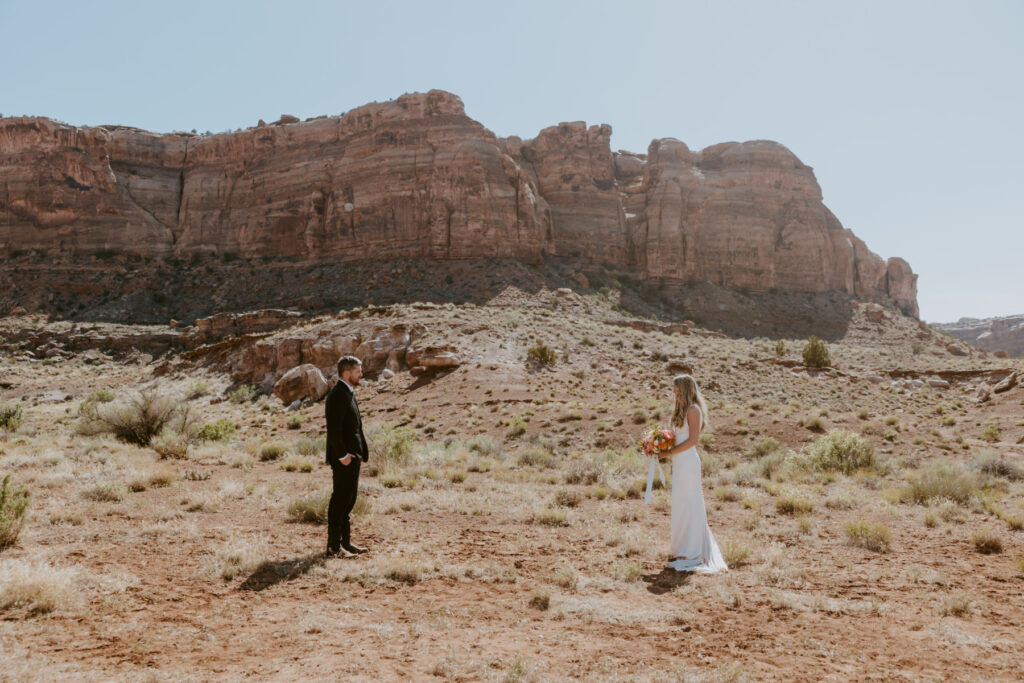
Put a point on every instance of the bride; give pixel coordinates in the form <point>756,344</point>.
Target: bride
<point>692,545</point>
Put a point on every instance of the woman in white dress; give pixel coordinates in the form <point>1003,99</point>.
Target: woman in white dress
<point>692,546</point>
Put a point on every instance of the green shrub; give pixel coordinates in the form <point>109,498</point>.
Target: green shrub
<point>842,451</point>
<point>14,501</point>
<point>792,504</point>
<point>780,348</point>
<point>101,396</point>
<point>243,394</point>
<point>172,444</point>
<point>109,492</point>
<point>311,509</point>
<point>217,431</point>
<point>940,480</point>
<point>869,536</point>
<point>765,446</point>
<point>392,446</point>
<point>517,427</point>
<point>991,433</point>
<point>541,354</point>
<point>536,456</point>
<point>816,353</point>
<point>294,421</point>
<point>10,416</point>
<point>272,451</point>
<point>198,389</point>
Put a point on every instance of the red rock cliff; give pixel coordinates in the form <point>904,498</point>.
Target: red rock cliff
<point>417,178</point>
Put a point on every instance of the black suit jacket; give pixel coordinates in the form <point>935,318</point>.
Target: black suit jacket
<point>344,426</point>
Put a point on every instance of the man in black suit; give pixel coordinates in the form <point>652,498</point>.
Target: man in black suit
<point>346,449</point>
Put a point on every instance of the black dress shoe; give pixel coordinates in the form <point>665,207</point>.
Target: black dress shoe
<point>354,549</point>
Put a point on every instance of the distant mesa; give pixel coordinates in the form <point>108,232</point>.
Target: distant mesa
<point>416,179</point>
<point>1004,335</point>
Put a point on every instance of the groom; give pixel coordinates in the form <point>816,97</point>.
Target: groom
<point>346,449</point>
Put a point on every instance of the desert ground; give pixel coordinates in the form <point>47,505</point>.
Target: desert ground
<point>873,525</point>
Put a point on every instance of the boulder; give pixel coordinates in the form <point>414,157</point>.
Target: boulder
<point>677,366</point>
<point>938,383</point>
<point>444,356</point>
<point>956,349</point>
<point>874,312</point>
<point>304,381</point>
<point>1008,383</point>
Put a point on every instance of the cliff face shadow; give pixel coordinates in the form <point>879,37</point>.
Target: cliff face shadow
<point>133,291</point>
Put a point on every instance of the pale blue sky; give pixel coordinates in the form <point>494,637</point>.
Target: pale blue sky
<point>910,112</point>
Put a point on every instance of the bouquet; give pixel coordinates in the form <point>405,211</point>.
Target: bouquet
<point>657,441</point>
<point>654,443</point>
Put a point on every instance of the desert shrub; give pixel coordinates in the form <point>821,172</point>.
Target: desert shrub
<point>990,433</point>
<point>294,421</point>
<point>735,553</point>
<point>136,420</point>
<point>869,536</point>
<point>567,498</point>
<point>816,353</point>
<point>308,446</point>
<point>393,445</point>
<point>536,456</point>
<point>311,508</point>
<point>996,465</point>
<point>550,517</point>
<point>516,427</point>
<point>14,501</point>
<point>765,446</point>
<point>780,348</point>
<point>107,492</point>
<point>243,394</point>
<point>172,444</point>
<point>771,463</point>
<point>540,599</point>
<point>10,416</point>
<point>987,542</point>
<point>37,586</point>
<point>863,413</point>
<point>272,451</point>
<point>584,470</point>
<point>541,354</point>
<point>296,463</point>
<point>707,441</point>
<point>940,480</point>
<point>485,445</point>
<point>815,424</point>
<point>217,431</point>
<point>793,504</point>
<point>841,450</point>
<point>197,389</point>
<point>101,396</point>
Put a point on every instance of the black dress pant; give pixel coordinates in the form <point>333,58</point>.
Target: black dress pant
<point>343,499</point>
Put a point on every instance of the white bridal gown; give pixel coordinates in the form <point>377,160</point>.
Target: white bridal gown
<point>691,542</point>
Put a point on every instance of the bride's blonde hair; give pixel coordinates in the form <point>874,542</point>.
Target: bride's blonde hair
<point>689,394</point>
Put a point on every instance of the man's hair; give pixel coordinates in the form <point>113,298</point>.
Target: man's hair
<point>346,363</point>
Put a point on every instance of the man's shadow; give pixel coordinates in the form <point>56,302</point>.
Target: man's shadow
<point>271,573</point>
<point>666,580</point>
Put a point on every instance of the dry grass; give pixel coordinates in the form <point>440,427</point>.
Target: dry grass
<point>940,480</point>
<point>842,451</point>
<point>236,557</point>
<point>38,587</point>
<point>14,503</point>
<point>870,536</point>
<point>987,542</point>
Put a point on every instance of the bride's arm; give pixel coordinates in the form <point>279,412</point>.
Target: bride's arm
<point>693,422</point>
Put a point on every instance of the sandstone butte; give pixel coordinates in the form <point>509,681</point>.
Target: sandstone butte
<point>415,178</point>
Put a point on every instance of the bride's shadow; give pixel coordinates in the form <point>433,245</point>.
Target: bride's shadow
<point>666,580</point>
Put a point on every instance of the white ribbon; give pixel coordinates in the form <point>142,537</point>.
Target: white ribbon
<point>650,477</point>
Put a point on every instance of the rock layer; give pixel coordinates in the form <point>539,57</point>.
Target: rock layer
<point>1004,334</point>
<point>415,178</point>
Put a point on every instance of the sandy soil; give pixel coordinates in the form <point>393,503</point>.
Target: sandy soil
<point>496,555</point>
